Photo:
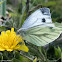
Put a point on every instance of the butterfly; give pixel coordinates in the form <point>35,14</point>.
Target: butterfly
<point>38,28</point>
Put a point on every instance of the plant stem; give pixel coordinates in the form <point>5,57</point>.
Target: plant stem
<point>14,53</point>
<point>27,6</point>
<point>2,57</point>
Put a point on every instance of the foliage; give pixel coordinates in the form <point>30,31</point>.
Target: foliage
<point>35,60</point>
<point>13,56</point>
<point>41,54</point>
<point>51,3</point>
<point>3,7</point>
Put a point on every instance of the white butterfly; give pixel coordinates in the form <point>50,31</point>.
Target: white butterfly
<point>39,29</point>
<point>41,17</point>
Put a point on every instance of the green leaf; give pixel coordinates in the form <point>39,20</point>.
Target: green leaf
<point>24,59</point>
<point>1,2</point>
<point>2,28</point>
<point>35,60</point>
<point>51,3</point>
<point>15,60</point>
<point>51,60</point>
<point>17,55</point>
<point>59,50</point>
<point>61,56</point>
<point>3,7</point>
<point>56,52</point>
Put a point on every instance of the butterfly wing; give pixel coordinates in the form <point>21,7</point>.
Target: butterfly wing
<point>41,36</point>
<point>37,18</point>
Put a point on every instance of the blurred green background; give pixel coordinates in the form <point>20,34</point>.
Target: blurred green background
<point>19,10</point>
<point>31,5</point>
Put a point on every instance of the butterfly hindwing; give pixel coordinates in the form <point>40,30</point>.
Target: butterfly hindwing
<point>41,36</point>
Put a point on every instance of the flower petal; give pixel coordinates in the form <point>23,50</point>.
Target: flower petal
<point>2,49</point>
<point>22,47</point>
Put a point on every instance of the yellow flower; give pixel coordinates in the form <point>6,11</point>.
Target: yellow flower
<point>10,41</point>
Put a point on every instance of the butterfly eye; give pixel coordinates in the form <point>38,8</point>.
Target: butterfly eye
<point>43,20</point>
